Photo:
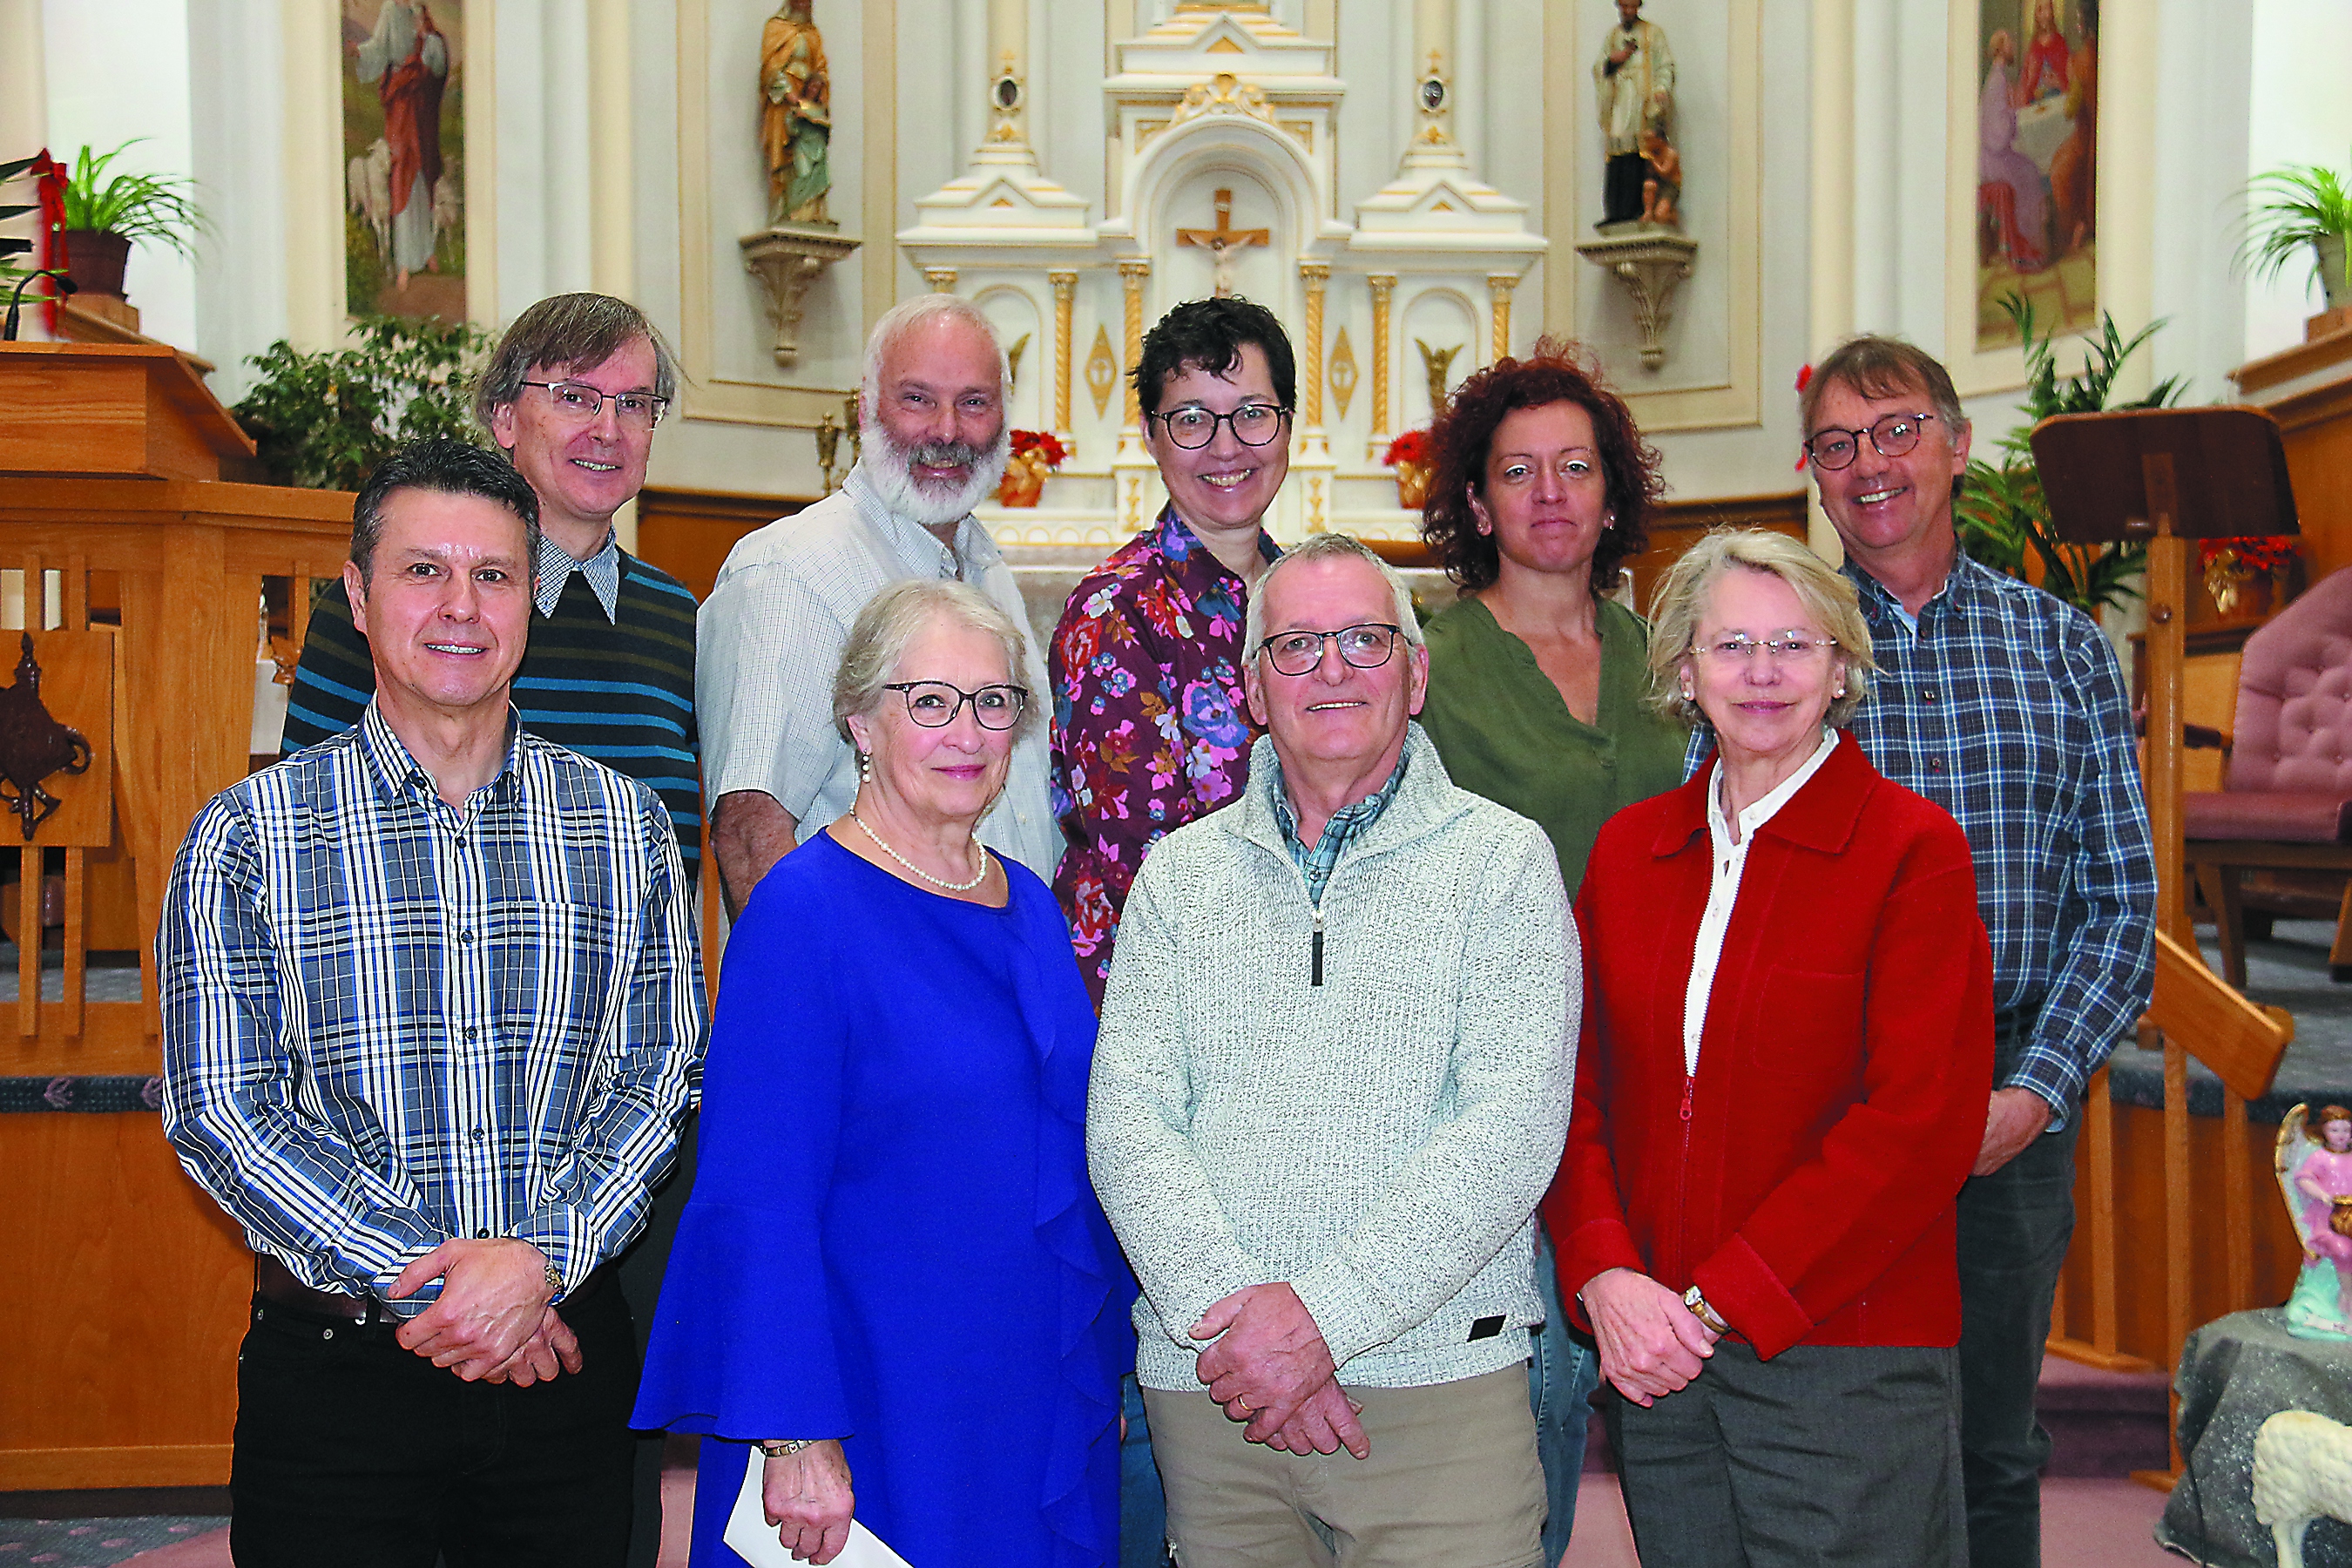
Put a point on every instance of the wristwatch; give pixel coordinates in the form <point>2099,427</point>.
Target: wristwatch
<point>554,1277</point>
<point>779,1448</point>
<point>1697,1301</point>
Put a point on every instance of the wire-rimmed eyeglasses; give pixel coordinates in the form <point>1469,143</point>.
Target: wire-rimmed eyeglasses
<point>1833,449</point>
<point>1787,648</point>
<point>1367,647</point>
<point>934,704</point>
<point>1254,424</point>
<point>577,403</point>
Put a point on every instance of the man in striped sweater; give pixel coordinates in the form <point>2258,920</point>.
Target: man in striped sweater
<point>572,396</point>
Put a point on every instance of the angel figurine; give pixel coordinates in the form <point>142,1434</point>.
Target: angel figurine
<point>2314,1175</point>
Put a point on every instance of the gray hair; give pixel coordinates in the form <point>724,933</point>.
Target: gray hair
<point>1872,365</point>
<point>1329,547</point>
<point>894,619</point>
<point>1828,595</point>
<point>903,318</point>
<point>568,332</point>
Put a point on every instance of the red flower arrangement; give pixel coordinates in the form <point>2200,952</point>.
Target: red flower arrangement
<point>2259,554</point>
<point>1413,447</point>
<point>1042,444</point>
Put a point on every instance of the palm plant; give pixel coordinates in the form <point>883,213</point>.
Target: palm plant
<point>2298,206</point>
<point>159,207</point>
<point>2003,514</point>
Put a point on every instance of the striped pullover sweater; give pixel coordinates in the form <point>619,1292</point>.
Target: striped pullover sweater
<point>620,693</point>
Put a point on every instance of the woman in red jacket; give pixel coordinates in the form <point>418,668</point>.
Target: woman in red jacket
<point>1786,1048</point>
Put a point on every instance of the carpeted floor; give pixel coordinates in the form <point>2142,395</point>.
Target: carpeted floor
<point>102,1543</point>
<point>2288,971</point>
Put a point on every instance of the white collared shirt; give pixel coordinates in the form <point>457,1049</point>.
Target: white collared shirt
<point>1729,861</point>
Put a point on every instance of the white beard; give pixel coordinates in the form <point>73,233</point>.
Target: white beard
<point>891,469</point>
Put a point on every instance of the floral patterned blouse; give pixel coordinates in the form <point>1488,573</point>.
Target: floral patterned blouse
<point>1150,728</point>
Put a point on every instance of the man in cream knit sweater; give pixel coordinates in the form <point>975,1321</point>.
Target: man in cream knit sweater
<point>1331,1085</point>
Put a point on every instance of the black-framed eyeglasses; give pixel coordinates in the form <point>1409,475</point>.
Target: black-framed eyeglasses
<point>577,403</point>
<point>1895,434</point>
<point>1366,646</point>
<point>934,704</point>
<point>1255,425</point>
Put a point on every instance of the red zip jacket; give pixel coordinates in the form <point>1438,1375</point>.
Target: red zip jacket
<point>1807,1183</point>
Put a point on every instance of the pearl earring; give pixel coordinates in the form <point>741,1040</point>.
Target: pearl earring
<point>865,767</point>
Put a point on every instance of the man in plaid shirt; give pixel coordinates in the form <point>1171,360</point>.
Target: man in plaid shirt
<point>2005,706</point>
<point>432,1015</point>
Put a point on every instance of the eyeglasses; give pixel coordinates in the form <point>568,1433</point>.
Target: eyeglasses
<point>1255,425</point>
<point>1789,648</point>
<point>1365,648</point>
<point>577,403</point>
<point>1834,448</point>
<point>934,704</point>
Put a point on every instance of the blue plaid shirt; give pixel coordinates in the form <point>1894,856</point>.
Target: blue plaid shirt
<point>2006,708</point>
<point>1346,825</point>
<point>388,1021</point>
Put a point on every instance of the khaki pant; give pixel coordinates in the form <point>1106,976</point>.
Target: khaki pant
<point>1451,1479</point>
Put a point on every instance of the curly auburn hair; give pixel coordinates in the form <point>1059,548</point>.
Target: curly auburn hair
<point>1464,434</point>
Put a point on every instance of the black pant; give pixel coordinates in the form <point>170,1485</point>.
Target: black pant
<point>1620,188</point>
<point>1825,1455</point>
<point>354,1451</point>
<point>2015,1228</point>
<point>641,1268</point>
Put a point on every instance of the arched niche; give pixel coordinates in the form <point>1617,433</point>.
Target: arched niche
<point>1442,318</point>
<point>1275,187</point>
<point>1016,315</point>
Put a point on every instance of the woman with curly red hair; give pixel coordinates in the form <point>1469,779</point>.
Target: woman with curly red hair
<point>1537,682</point>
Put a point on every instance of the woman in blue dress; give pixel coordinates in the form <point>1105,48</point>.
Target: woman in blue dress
<point>893,1274</point>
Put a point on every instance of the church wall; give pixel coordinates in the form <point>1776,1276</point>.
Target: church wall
<point>2301,115</point>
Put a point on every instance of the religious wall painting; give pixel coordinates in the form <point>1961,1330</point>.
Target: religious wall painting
<point>402,69</point>
<point>2037,105</point>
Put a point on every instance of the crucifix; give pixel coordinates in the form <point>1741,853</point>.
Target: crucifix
<point>1221,241</point>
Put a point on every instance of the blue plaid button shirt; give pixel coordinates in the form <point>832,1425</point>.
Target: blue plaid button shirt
<point>388,1022</point>
<point>2006,708</point>
<point>1346,826</point>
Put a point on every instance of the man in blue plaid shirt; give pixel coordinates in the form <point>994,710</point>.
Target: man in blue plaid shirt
<point>432,1015</point>
<point>2005,706</point>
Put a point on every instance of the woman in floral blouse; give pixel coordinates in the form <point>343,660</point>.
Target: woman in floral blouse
<point>1150,726</point>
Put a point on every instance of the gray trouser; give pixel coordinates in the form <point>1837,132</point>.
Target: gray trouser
<point>1824,1455</point>
<point>1451,1478</point>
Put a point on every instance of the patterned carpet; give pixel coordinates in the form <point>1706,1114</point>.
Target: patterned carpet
<point>96,1542</point>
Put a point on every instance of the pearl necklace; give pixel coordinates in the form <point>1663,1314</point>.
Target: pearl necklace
<point>978,854</point>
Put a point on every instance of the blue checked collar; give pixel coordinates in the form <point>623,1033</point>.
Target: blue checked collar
<point>555,565</point>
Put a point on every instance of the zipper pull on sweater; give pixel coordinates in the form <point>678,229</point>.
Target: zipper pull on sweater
<point>1316,976</point>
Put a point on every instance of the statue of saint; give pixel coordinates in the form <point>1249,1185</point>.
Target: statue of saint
<point>796,115</point>
<point>1635,79</point>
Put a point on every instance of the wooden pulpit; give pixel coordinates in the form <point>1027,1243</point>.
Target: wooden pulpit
<point>2166,477</point>
<point>143,564</point>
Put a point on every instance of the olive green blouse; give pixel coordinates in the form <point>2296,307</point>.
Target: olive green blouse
<point>1504,732</point>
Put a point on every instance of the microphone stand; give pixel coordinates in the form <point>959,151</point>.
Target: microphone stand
<point>65,286</point>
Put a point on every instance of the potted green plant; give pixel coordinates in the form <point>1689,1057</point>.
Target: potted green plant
<point>2290,208</point>
<point>105,211</point>
<point>2002,513</point>
<point>323,421</point>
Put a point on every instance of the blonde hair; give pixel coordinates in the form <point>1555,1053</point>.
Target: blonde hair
<point>895,617</point>
<point>1826,593</point>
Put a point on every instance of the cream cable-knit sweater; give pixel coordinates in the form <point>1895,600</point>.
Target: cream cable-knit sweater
<point>1379,1140</point>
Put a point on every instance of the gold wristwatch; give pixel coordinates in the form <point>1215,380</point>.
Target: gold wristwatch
<point>1697,1302</point>
<point>778,1447</point>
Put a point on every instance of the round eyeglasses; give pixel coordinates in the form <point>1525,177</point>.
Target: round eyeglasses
<point>934,704</point>
<point>1255,425</point>
<point>1365,648</point>
<point>577,403</point>
<point>1788,649</point>
<point>1833,449</point>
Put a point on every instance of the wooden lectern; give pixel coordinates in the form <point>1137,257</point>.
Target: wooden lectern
<point>2165,477</point>
<point>128,1286</point>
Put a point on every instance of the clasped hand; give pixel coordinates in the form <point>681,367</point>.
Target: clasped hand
<point>1651,1344</point>
<point>492,1320</point>
<point>1270,1367</point>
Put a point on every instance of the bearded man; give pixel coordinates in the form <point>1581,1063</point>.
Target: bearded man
<point>768,638</point>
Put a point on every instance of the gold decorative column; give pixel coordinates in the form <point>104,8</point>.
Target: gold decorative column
<point>1499,297</point>
<point>1065,294</point>
<point>1316,275</point>
<point>940,279</point>
<point>1384,286</point>
<point>1132,272</point>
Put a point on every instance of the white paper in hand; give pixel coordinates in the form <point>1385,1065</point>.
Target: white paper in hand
<point>753,1538</point>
